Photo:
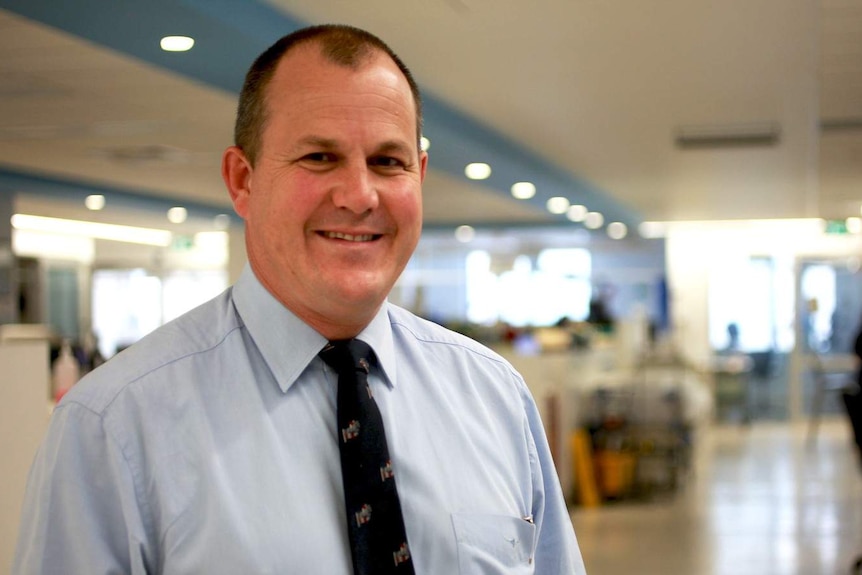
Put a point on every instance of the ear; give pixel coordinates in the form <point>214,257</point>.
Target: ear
<point>423,165</point>
<point>236,171</point>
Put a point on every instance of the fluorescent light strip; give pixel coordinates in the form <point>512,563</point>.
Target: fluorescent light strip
<point>117,233</point>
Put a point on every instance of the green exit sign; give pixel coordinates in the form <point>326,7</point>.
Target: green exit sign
<point>182,243</point>
<point>836,227</point>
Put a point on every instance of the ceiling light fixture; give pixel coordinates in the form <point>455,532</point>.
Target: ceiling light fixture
<point>652,230</point>
<point>465,234</point>
<point>134,235</point>
<point>617,230</point>
<point>177,43</point>
<point>723,136</point>
<point>477,171</point>
<point>95,202</point>
<point>177,215</point>
<point>558,205</point>
<point>523,190</point>
<point>577,213</point>
<point>221,222</point>
<point>594,220</point>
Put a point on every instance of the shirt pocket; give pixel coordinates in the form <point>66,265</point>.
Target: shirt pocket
<point>494,544</point>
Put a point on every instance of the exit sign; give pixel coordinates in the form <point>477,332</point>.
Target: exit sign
<point>836,227</point>
<point>182,243</point>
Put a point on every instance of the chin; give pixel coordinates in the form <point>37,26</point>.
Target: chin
<point>360,292</point>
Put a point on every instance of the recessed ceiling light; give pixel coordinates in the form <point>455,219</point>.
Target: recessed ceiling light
<point>652,230</point>
<point>424,144</point>
<point>594,220</point>
<point>523,190</point>
<point>577,213</point>
<point>95,202</point>
<point>176,43</point>
<point>221,222</point>
<point>465,234</point>
<point>477,171</point>
<point>177,215</point>
<point>617,230</point>
<point>558,205</point>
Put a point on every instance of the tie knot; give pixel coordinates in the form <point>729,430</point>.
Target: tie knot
<point>347,355</point>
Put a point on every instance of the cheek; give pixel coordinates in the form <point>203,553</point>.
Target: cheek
<point>413,220</point>
<point>279,208</point>
<point>407,208</point>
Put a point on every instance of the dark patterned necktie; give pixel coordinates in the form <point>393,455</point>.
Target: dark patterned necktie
<point>378,541</point>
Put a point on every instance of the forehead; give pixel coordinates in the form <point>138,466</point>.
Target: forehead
<point>304,79</point>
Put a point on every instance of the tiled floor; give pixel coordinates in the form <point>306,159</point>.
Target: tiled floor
<point>761,500</point>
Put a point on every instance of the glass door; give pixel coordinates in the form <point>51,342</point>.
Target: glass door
<point>830,317</point>
<point>751,325</point>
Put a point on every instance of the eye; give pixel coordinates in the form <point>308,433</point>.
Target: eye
<point>320,157</point>
<point>385,162</point>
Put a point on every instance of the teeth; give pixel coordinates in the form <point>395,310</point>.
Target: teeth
<point>349,237</point>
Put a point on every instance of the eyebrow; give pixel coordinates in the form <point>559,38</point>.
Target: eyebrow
<point>394,146</point>
<point>317,142</point>
<point>389,146</point>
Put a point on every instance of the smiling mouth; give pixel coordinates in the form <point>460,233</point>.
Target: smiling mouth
<point>350,237</point>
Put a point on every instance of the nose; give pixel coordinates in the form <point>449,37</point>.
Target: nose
<point>356,190</point>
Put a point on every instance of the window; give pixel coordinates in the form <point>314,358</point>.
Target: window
<point>557,286</point>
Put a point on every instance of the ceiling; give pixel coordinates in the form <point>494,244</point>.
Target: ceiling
<point>584,98</point>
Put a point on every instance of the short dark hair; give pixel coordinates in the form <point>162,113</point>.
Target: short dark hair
<point>341,44</point>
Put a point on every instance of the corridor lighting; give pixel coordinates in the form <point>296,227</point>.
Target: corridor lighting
<point>177,215</point>
<point>96,230</point>
<point>652,230</point>
<point>558,205</point>
<point>477,171</point>
<point>523,190</point>
<point>594,220</point>
<point>94,202</point>
<point>617,230</point>
<point>211,240</point>
<point>854,225</point>
<point>221,222</point>
<point>424,144</point>
<point>465,234</point>
<point>577,213</point>
<point>176,43</point>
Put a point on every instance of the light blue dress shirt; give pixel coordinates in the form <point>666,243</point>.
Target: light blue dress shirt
<point>210,447</point>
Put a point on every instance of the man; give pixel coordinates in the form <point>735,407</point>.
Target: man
<point>211,446</point>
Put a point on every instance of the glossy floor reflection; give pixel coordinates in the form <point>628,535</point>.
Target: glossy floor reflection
<point>760,500</point>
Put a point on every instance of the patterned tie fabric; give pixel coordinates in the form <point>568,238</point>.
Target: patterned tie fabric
<point>378,540</point>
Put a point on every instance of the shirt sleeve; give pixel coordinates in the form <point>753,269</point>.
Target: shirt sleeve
<point>80,511</point>
<point>557,551</point>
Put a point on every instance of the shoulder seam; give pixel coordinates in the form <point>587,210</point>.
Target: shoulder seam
<point>477,350</point>
<point>156,368</point>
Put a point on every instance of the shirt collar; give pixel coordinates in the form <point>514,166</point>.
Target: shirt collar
<point>288,345</point>
<point>378,334</point>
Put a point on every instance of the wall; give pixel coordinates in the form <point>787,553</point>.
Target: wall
<point>24,391</point>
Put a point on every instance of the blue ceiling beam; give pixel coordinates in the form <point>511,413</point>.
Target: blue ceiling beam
<point>14,182</point>
<point>229,34</point>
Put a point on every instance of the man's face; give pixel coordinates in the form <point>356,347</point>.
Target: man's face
<point>333,206</point>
